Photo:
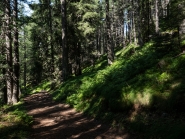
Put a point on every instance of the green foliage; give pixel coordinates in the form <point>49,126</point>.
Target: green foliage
<point>157,127</point>
<point>43,86</point>
<point>134,78</point>
<point>144,83</point>
<point>14,122</point>
<point>87,17</point>
<point>141,79</point>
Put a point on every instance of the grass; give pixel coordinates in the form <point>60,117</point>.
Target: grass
<point>14,122</point>
<point>142,81</point>
<point>157,127</point>
<point>143,91</point>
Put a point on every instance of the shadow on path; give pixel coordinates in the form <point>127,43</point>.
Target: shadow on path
<point>54,120</point>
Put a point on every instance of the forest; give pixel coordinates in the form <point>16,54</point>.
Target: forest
<point>118,61</point>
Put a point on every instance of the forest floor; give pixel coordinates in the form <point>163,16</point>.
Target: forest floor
<point>53,120</point>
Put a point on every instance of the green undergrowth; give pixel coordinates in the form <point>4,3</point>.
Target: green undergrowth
<point>156,126</point>
<point>45,86</point>
<point>148,79</point>
<point>140,76</point>
<point>14,122</point>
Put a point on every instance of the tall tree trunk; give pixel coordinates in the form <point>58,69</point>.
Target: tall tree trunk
<point>134,28</point>
<point>15,94</point>
<point>51,38</point>
<point>25,57</point>
<point>113,24</point>
<point>122,23</point>
<point>123,34</point>
<point>8,53</point>
<point>156,17</point>
<point>103,39</point>
<point>139,24</point>
<point>148,19</point>
<point>3,52</point>
<point>65,72</point>
<point>99,39</point>
<point>78,70</point>
<point>130,26</point>
<point>110,49</point>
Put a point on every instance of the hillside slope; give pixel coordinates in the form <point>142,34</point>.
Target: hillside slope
<point>148,77</point>
<point>143,90</point>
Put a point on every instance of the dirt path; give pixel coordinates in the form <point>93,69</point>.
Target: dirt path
<point>59,121</point>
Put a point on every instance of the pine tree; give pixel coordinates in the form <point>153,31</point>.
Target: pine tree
<point>16,71</point>
<point>110,49</point>
<point>65,69</point>
<point>8,52</point>
<point>3,93</point>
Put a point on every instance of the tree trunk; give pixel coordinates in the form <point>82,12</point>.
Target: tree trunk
<point>129,26</point>
<point>148,19</point>
<point>139,25</point>
<point>25,57</point>
<point>110,49</point>
<point>8,53</point>
<point>103,39</point>
<point>65,72</point>
<point>3,52</point>
<point>156,17</point>
<point>15,94</point>
<point>51,38</point>
<point>133,28</point>
<point>78,70</point>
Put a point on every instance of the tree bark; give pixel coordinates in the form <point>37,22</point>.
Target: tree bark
<point>78,70</point>
<point>25,58</point>
<point>65,72</point>
<point>140,24</point>
<point>3,72</point>
<point>15,94</point>
<point>51,38</point>
<point>8,53</point>
<point>156,17</point>
<point>110,49</point>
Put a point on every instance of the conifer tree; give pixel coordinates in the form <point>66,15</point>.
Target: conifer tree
<point>8,52</point>
<point>65,69</point>
<point>110,49</point>
<point>3,93</point>
<point>16,70</point>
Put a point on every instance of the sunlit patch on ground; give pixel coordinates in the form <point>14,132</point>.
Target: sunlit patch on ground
<point>58,120</point>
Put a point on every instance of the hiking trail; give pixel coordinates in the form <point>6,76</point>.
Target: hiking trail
<point>53,120</point>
